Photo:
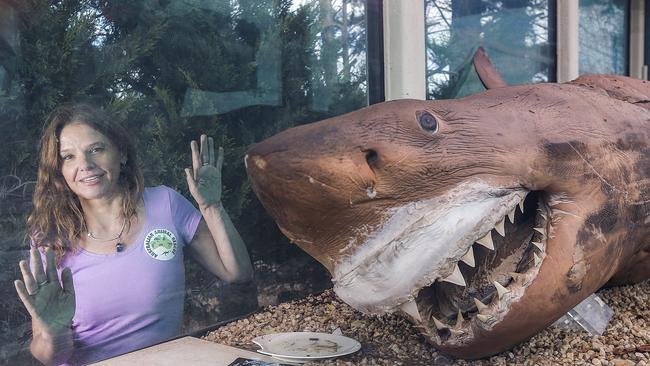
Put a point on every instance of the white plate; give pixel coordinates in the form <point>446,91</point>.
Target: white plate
<point>305,346</point>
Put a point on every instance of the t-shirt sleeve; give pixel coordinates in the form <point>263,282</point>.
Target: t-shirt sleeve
<point>185,216</point>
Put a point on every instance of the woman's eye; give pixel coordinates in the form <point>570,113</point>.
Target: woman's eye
<point>96,149</point>
<point>66,157</point>
<point>427,121</point>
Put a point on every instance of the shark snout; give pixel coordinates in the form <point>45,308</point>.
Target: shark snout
<point>312,175</point>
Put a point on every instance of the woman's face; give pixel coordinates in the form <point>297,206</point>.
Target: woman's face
<point>90,162</point>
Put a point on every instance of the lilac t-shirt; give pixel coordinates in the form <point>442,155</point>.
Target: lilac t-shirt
<point>133,299</point>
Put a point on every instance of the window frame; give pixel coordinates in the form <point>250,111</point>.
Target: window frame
<point>375,50</point>
<point>405,53</point>
<point>637,34</point>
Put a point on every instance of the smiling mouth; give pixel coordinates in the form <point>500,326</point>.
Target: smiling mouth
<point>493,273</point>
<point>91,179</point>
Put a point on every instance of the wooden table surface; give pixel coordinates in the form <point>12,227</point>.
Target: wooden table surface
<point>184,351</point>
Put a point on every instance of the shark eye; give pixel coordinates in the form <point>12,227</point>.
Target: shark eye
<point>427,121</point>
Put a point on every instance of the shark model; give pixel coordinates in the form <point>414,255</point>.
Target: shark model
<point>482,219</point>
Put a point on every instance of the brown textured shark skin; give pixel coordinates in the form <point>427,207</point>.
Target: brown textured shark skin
<point>330,183</point>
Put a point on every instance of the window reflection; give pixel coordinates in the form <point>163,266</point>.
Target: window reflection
<point>603,36</point>
<point>236,70</point>
<point>514,33</point>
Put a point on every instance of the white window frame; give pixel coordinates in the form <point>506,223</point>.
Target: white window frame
<point>404,49</point>
<point>638,67</point>
<point>567,44</point>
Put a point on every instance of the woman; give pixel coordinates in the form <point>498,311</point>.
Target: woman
<point>109,277</point>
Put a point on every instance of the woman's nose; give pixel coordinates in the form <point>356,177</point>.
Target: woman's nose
<point>86,162</point>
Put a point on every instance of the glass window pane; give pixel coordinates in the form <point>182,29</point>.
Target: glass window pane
<point>603,36</point>
<point>237,70</point>
<point>515,35</point>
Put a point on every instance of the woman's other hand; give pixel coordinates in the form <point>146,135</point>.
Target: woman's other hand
<point>204,179</point>
<point>50,302</point>
<point>217,245</point>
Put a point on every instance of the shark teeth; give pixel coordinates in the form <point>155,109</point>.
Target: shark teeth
<point>500,289</point>
<point>479,305</point>
<point>486,241</point>
<point>438,324</point>
<point>459,318</point>
<point>500,228</point>
<point>456,277</point>
<point>456,332</point>
<point>467,317</point>
<point>411,308</point>
<point>468,258</point>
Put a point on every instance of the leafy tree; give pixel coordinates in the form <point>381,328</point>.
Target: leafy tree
<point>240,71</point>
<point>513,32</point>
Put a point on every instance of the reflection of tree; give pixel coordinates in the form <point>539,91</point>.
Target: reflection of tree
<point>514,33</point>
<point>602,35</point>
<point>340,48</point>
<point>11,185</point>
<point>139,58</point>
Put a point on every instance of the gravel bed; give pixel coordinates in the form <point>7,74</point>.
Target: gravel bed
<point>391,340</point>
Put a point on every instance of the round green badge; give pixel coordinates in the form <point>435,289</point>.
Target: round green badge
<point>161,244</point>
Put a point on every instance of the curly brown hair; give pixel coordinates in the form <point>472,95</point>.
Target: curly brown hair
<point>57,219</point>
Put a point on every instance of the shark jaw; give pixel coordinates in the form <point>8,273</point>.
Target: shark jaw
<point>451,263</point>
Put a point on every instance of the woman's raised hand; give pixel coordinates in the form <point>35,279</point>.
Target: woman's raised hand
<point>50,302</point>
<point>204,179</point>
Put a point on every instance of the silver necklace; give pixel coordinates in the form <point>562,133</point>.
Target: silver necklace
<point>90,234</point>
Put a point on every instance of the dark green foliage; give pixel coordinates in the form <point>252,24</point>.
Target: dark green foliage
<point>167,69</point>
